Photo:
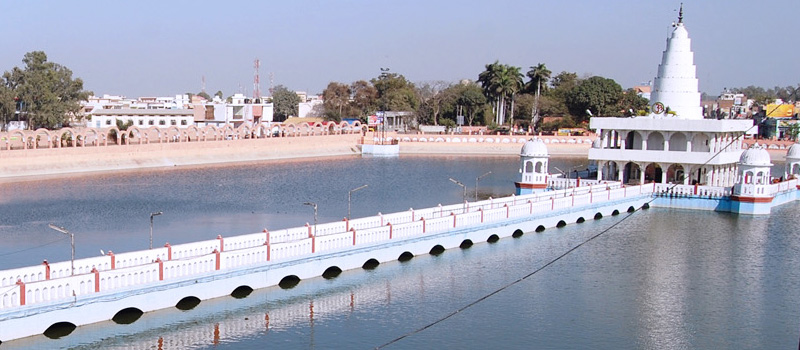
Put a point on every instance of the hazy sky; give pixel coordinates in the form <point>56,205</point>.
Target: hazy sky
<point>163,48</point>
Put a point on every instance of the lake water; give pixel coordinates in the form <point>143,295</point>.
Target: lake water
<point>659,279</point>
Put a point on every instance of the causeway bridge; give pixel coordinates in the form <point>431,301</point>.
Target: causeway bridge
<point>51,298</point>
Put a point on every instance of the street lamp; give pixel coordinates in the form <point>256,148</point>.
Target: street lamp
<point>151,226</point>
<point>476,184</point>
<point>315,215</point>
<point>349,196</point>
<point>464,199</point>
<point>72,243</point>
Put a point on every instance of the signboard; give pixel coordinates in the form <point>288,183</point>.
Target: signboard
<point>780,111</point>
<point>375,120</point>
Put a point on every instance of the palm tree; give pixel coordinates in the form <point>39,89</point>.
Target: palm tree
<point>539,76</point>
<point>499,82</point>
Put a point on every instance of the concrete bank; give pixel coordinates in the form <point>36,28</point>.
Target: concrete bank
<point>18,165</point>
<point>31,164</point>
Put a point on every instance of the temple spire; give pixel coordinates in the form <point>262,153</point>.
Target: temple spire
<point>680,14</point>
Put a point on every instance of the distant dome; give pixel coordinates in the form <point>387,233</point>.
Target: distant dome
<point>597,143</point>
<point>793,152</point>
<point>534,147</point>
<point>756,156</point>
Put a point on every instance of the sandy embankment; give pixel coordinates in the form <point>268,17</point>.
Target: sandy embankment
<point>18,165</point>
<point>21,165</point>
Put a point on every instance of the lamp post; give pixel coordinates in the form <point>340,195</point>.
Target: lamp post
<point>71,241</point>
<point>476,183</point>
<point>464,199</point>
<point>384,75</point>
<point>349,197</point>
<point>315,215</point>
<point>151,226</point>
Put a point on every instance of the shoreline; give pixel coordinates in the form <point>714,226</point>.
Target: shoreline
<point>69,163</point>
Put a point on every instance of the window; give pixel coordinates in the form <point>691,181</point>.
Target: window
<point>162,122</point>
<point>149,122</point>
<point>173,122</point>
<point>141,122</point>
<point>108,121</point>
<point>183,122</point>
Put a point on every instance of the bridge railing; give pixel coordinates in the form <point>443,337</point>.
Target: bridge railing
<point>245,241</point>
<point>438,224</point>
<point>290,249</point>
<point>468,219</point>
<point>189,266</point>
<point>170,262</point>
<point>188,250</point>
<point>372,235</point>
<point>408,229</point>
<point>128,277</point>
<point>288,235</point>
<point>85,265</point>
<point>367,222</point>
<point>331,228</point>
<point>335,241</point>
<point>399,217</point>
<point>24,274</point>
<point>139,257</point>
<point>243,257</point>
<point>57,289</point>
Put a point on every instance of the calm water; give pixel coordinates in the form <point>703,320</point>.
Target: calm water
<point>662,279</point>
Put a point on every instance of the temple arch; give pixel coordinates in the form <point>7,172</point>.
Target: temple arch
<point>653,173</point>
<point>655,141</point>
<point>700,143</point>
<point>677,142</point>
<point>633,140</point>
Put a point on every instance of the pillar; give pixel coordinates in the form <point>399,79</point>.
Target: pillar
<point>600,166</point>
<point>641,173</point>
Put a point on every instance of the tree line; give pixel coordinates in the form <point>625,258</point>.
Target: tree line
<point>43,93</point>
<point>500,96</point>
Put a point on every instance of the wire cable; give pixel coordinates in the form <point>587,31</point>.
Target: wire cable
<point>34,247</point>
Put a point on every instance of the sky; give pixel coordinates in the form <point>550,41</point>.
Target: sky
<point>164,48</point>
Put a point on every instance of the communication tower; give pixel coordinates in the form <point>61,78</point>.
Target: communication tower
<point>256,82</point>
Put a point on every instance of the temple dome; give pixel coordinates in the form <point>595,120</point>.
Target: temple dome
<point>755,156</point>
<point>793,152</point>
<point>534,147</point>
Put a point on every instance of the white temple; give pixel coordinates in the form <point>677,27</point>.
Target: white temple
<point>674,144</point>
<point>534,167</point>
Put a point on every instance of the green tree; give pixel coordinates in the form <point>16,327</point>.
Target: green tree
<point>49,94</point>
<point>395,93</point>
<point>204,95</point>
<point>564,82</point>
<point>219,94</point>
<point>433,97</point>
<point>365,98</point>
<point>285,103</point>
<point>597,95</point>
<point>539,76</point>
<point>793,131</point>
<point>631,104</point>
<point>470,98</point>
<point>335,97</point>
<point>500,82</point>
<point>8,106</point>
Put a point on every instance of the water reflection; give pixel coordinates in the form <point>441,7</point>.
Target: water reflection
<point>666,279</point>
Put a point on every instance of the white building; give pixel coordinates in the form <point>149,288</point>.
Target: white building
<point>241,110</point>
<point>674,143</point>
<point>165,112</point>
<point>141,118</point>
